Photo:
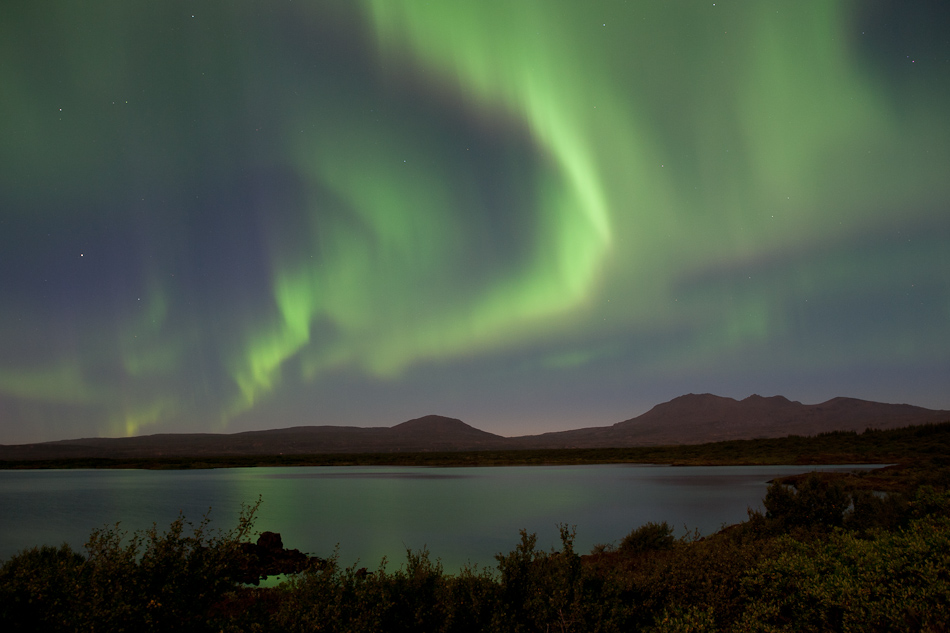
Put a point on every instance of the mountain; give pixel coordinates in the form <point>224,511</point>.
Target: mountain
<point>429,433</point>
<point>689,419</point>
<point>701,418</point>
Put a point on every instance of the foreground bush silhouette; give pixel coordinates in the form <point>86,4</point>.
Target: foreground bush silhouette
<point>648,537</point>
<point>150,581</point>
<point>884,581</point>
<point>413,598</point>
<point>814,503</point>
<point>40,588</point>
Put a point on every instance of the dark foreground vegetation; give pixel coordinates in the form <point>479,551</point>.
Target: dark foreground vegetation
<point>866,552</point>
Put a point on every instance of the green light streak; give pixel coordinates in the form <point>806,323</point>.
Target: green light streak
<point>370,281</point>
<point>136,417</point>
<point>61,383</point>
<point>487,49</point>
<point>761,148</point>
<point>677,172</point>
<point>145,350</point>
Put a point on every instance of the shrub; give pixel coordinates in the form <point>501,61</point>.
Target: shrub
<point>648,538</point>
<point>541,591</point>
<point>688,620</point>
<point>929,502</point>
<point>335,600</point>
<point>815,503</point>
<point>473,600</point>
<point>696,579</point>
<point>894,581</point>
<point>150,581</point>
<point>870,510</point>
<point>421,602</point>
<point>40,588</point>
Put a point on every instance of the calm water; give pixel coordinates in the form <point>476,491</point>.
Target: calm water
<point>460,514</point>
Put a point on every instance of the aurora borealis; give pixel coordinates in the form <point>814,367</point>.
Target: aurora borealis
<point>531,215</point>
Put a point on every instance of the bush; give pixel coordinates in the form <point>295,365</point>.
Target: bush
<point>421,596</point>
<point>415,598</point>
<point>544,591</point>
<point>688,620</point>
<point>815,503</point>
<point>870,510</point>
<point>473,600</point>
<point>648,538</point>
<point>335,600</point>
<point>894,581</point>
<point>929,502</point>
<point>40,589</point>
<point>150,581</point>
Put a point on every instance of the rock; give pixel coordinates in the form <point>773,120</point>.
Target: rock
<point>270,541</point>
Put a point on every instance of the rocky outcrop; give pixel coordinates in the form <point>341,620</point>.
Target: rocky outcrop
<point>268,557</point>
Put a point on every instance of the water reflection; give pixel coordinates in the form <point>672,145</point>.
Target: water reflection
<point>362,475</point>
<point>365,513</point>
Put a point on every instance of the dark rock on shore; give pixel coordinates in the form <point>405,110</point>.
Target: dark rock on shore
<point>268,557</point>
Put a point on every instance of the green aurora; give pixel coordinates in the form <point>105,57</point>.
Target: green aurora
<point>529,215</point>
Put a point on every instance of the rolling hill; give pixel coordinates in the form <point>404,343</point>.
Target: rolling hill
<point>689,419</point>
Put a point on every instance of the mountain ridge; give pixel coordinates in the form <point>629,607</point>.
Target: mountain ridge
<point>686,419</point>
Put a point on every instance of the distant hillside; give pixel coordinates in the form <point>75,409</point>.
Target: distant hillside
<point>702,418</point>
<point>689,419</point>
<point>429,433</point>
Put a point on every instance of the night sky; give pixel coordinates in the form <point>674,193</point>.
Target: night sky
<point>224,215</point>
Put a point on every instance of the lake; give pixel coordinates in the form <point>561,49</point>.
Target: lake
<point>460,514</point>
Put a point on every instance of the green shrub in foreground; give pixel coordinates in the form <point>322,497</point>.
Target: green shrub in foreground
<point>150,581</point>
<point>814,503</point>
<point>887,581</point>
<point>40,588</point>
<point>648,537</point>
